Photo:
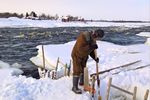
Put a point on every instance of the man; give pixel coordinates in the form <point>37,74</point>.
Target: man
<point>84,46</point>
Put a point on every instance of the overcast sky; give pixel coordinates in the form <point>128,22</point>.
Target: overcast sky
<point>88,9</point>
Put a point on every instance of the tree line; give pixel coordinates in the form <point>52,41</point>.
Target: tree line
<point>7,15</point>
<point>34,16</point>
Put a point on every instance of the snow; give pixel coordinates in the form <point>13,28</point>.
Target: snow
<point>53,54</point>
<point>6,71</point>
<point>145,34</point>
<point>3,64</point>
<point>22,88</point>
<point>17,22</point>
<point>14,86</point>
<point>148,41</point>
<point>111,55</point>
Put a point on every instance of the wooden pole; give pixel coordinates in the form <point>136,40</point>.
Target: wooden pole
<point>65,69</point>
<point>93,86</point>
<point>57,64</point>
<point>146,94</point>
<point>134,93</point>
<point>43,56</point>
<point>55,73</point>
<point>69,68</point>
<point>43,69</point>
<point>108,88</point>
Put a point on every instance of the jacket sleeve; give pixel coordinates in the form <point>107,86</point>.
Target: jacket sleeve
<point>92,54</point>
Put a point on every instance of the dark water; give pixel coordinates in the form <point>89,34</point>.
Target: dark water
<point>19,44</point>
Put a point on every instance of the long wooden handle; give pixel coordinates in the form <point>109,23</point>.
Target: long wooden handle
<point>97,75</point>
<point>97,68</point>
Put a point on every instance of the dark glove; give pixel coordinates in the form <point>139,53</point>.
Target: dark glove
<point>97,60</point>
<point>94,46</point>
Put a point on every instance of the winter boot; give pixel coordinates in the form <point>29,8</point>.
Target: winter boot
<point>81,83</point>
<point>75,88</point>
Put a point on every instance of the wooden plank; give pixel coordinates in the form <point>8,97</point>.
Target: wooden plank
<point>122,66</point>
<point>133,69</point>
<point>108,88</point>
<point>86,77</point>
<point>121,89</point>
<point>134,93</point>
<point>146,95</point>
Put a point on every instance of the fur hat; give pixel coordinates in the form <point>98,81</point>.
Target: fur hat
<point>99,33</point>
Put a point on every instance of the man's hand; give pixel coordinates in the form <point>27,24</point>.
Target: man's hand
<point>94,46</point>
<point>97,60</point>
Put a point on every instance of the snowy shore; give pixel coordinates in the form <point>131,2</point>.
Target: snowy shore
<point>17,22</point>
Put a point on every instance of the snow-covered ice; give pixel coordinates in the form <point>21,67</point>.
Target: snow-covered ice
<point>14,86</point>
<point>111,55</point>
<point>145,34</point>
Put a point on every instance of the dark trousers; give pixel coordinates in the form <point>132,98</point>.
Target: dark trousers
<point>78,65</point>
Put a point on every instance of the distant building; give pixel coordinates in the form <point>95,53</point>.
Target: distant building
<point>71,18</point>
<point>32,15</point>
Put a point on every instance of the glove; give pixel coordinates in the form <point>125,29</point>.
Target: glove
<point>94,46</point>
<point>97,60</point>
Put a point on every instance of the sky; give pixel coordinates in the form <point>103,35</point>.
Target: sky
<point>88,9</point>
